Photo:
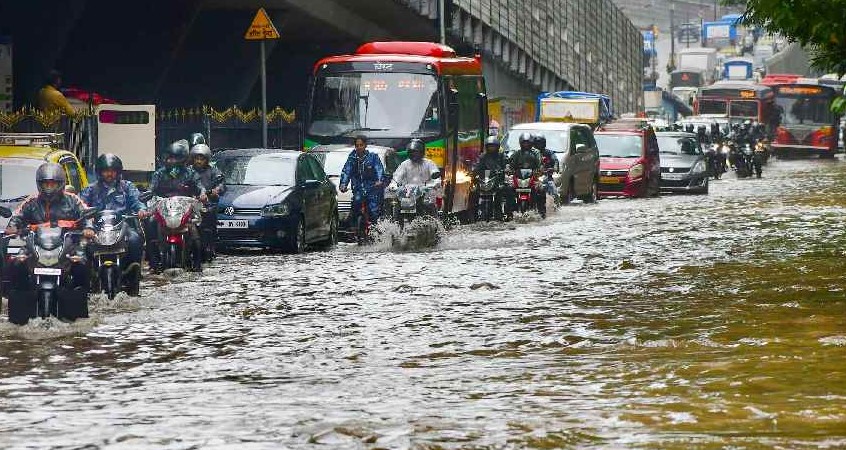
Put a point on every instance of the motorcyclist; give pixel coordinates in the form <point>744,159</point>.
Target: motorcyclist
<point>112,192</point>
<point>364,171</point>
<point>52,204</point>
<point>416,170</point>
<point>492,160</point>
<point>175,179</point>
<point>213,182</point>
<point>550,163</point>
<point>528,158</point>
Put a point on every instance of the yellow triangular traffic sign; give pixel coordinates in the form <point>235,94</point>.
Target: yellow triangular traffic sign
<point>261,28</point>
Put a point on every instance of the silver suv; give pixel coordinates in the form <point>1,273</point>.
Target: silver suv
<point>577,154</point>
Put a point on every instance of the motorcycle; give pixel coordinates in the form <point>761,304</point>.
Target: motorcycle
<point>525,182</point>
<point>743,162</point>
<point>109,248</point>
<point>411,203</point>
<point>208,231</point>
<point>758,160</point>
<point>363,223</point>
<point>489,203</point>
<point>52,254</point>
<point>174,216</point>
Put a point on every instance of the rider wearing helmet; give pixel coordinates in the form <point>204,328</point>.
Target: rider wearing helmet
<point>112,192</point>
<point>364,171</point>
<point>492,160</point>
<point>417,169</point>
<point>551,166</point>
<point>172,180</point>
<point>51,205</point>
<point>527,157</point>
<point>212,180</point>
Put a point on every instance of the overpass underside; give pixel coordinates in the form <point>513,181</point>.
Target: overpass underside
<point>191,52</point>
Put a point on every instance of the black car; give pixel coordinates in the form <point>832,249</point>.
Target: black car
<point>275,199</point>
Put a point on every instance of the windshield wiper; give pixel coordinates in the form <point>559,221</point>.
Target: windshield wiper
<point>356,130</point>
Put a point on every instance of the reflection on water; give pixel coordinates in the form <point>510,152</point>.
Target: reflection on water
<point>678,322</point>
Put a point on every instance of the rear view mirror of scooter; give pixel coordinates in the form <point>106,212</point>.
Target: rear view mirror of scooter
<point>5,212</point>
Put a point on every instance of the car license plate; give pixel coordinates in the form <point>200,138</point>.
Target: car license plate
<point>610,180</point>
<point>13,250</point>
<point>47,271</point>
<point>233,224</point>
<point>672,176</point>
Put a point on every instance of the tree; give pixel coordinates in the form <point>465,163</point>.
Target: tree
<point>819,24</point>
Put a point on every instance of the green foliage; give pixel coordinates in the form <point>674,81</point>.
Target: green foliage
<point>818,24</point>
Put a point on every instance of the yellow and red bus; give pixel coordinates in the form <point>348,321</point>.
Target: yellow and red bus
<point>806,124</point>
<point>392,92</point>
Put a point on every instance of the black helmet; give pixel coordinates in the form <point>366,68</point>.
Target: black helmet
<point>50,172</point>
<point>526,137</point>
<point>196,138</point>
<point>540,142</point>
<point>201,150</point>
<point>108,161</point>
<point>177,150</point>
<point>416,149</point>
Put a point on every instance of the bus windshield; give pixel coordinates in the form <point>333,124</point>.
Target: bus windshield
<point>708,106</point>
<point>744,108</point>
<point>376,104</point>
<point>804,110</point>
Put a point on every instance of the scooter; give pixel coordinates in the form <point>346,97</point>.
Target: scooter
<point>109,248</point>
<point>52,252</point>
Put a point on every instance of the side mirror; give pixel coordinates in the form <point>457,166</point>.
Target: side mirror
<point>581,148</point>
<point>452,108</point>
<point>436,175</point>
<point>5,212</point>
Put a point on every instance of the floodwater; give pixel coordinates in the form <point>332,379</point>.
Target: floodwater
<point>679,322</point>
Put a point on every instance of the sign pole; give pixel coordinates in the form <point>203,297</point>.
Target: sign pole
<point>263,98</point>
<point>262,29</point>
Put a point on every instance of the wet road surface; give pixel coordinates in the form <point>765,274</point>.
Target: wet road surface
<point>677,322</point>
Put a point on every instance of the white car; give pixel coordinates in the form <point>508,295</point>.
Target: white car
<point>333,157</point>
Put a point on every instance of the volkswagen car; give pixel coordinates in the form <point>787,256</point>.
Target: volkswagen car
<point>278,199</point>
<point>683,165</point>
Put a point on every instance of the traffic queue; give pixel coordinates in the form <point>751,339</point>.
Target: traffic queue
<point>416,155</point>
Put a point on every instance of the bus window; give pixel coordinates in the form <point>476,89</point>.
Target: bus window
<point>707,106</point>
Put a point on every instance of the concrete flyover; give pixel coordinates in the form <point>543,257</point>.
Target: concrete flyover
<point>191,52</point>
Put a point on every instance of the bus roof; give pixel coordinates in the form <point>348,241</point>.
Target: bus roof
<point>780,78</point>
<point>442,58</point>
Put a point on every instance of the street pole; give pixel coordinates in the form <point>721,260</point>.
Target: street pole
<point>716,5</point>
<point>672,34</point>
<point>442,20</point>
<point>263,99</point>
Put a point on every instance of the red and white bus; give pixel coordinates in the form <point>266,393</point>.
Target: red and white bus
<point>392,92</point>
<point>806,124</point>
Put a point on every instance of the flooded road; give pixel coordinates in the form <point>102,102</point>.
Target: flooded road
<point>678,322</point>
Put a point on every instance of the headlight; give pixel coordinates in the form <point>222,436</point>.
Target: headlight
<point>108,237</point>
<point>636,171</point>
<point>278,210</point>
<point>699,167</point>
<point>48,258</point>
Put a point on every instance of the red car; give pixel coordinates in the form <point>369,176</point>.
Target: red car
<point>629,162</point>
